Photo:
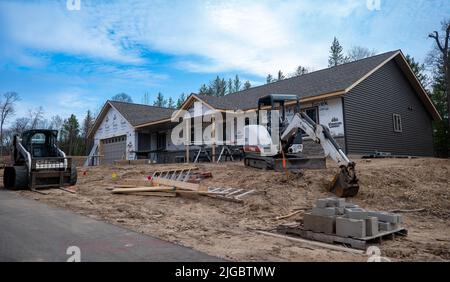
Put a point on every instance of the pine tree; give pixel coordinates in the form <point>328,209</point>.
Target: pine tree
<point>247,85</point>
<point>237,84</point>
<point>230,86</point>
<point>145,99</point>
<point>87,125</point>
<point>280,75</point>
<point>71,130</point>
<point>180,100</point>
<point>170,103</point>
<point>218,87</point>
<point>336,55</point>
<point>269,79</point>
<point>205,90</point>
<point>160,101</point>
<point>418,69</point>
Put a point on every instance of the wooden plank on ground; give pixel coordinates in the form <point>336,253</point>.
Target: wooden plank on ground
<point>177,184</point>
<point>140,182</point>
<point>154,194</point>
<point>313,243</point>
<point>142,189</point>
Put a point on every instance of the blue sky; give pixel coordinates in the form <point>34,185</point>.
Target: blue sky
<point>69,61</point>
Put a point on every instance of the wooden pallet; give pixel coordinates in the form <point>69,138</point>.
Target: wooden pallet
<point>356,243</point>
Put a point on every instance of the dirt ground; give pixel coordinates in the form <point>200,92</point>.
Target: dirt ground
<point>227,229</point>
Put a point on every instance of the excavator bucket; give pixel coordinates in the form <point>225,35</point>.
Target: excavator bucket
<point>345,183</point>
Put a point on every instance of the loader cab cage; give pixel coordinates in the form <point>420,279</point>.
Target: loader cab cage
<point>40,143</point>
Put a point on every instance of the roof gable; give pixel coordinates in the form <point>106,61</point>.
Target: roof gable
<point>137,114</point>
<point>134,114</point>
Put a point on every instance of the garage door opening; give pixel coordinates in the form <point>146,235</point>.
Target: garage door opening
<point>114,149</point>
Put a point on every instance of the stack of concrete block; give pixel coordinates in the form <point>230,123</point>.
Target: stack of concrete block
<point>387,221</point>
<point>335,216</point>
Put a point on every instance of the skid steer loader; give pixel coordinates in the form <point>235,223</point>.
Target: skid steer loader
<point>37,162</point>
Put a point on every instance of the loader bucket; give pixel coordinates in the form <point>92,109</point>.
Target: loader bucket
<point>345,183</point>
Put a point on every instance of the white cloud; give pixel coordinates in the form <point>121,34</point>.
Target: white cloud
<point>256,37</point>
<point>47,26</point>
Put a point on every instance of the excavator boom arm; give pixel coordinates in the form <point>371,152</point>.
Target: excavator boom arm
<point>345,183</point>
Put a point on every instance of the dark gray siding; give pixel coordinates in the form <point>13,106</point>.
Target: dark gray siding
<point>368,115</point>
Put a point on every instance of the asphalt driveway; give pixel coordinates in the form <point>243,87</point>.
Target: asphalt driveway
<point>33,231</point>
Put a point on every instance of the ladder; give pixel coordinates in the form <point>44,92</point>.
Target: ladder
<point>181,174</point>
<point>230,193</point>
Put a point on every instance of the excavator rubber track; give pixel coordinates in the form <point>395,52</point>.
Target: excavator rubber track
<point>288,164</point>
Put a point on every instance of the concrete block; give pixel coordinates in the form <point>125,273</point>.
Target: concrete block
<point>384,226</point>
<point>347,227</point>
<point>336,202</point>
<point>386,216</point>
<point>372,226</point>
<point>350,205</point>
<point>395,226</point>
<point>317,223</point>
<point>340,202</point>
<point>321,203</point>
<point>324,211</point>
<point>340,210</point>
<point>353,214</point>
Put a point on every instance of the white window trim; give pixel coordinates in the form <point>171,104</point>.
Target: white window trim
<point>398,128</point>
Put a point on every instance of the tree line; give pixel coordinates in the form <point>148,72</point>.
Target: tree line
<point>72,138</point>
<point>221,86</point>
<point>434,74</point>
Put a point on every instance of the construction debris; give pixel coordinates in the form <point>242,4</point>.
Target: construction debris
<point>333,220</point>
<point>178,182</point>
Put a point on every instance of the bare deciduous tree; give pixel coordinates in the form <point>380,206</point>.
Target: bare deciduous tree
<point>36,117</point>
<point>443,46</point>
<point>6,111</point>
<point>359,52</point>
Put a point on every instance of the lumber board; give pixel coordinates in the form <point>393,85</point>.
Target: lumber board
<point>312,243</point>
<point>142,189</point>
<point>125,186</point>
<point>135,182</point>
<point>177,184</point>
<point>154,194</point>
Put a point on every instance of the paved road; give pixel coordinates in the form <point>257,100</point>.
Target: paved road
<point>33,231</point>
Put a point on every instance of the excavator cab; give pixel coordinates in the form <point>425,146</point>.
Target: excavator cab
<point>288,154</point>
<point>278,102</point>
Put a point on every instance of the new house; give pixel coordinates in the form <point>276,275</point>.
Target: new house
<point>374,104</point>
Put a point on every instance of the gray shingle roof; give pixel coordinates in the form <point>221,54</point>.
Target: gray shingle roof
<point>137,114</point>
<point>313,84</point>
